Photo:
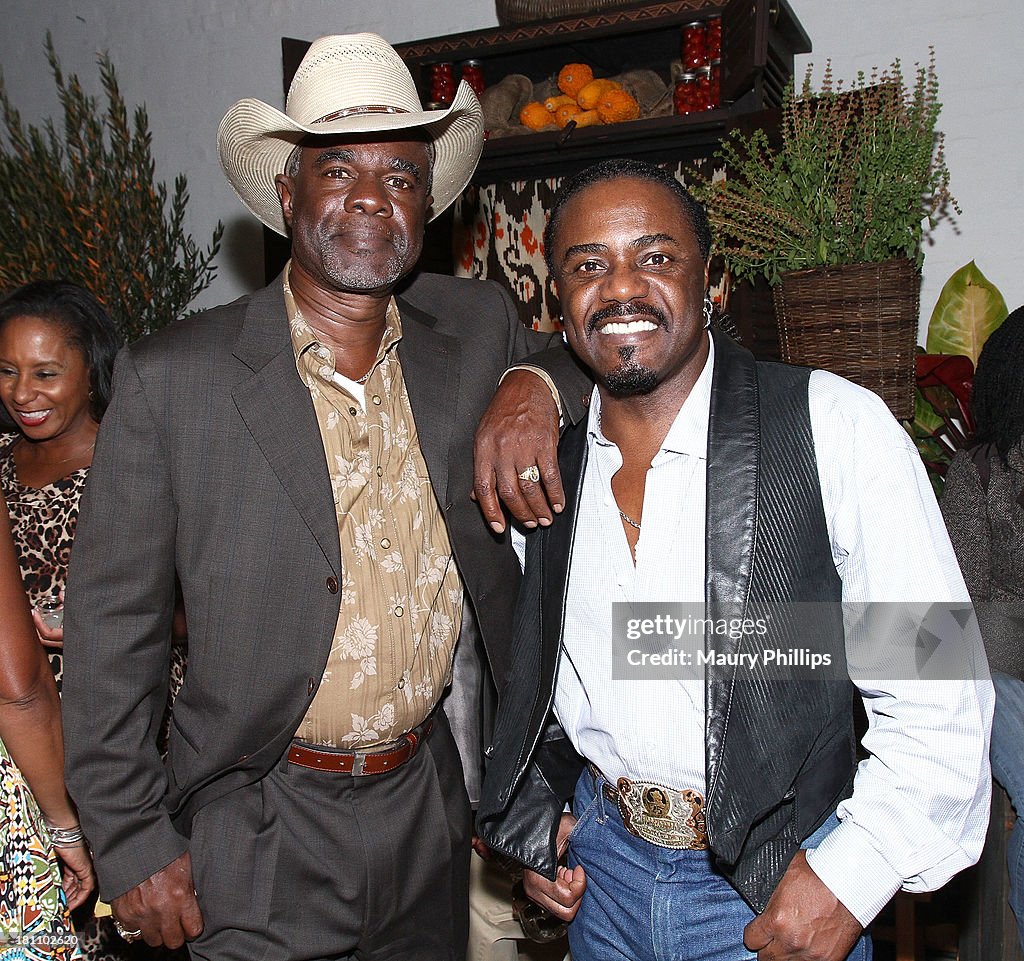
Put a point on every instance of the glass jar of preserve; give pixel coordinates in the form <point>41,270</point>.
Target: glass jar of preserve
<point>694,51</point>
<point>684,96</point>
<point>715,84</point>
<point>703,85</point>
<point>713,38</point>
<point>473,74</point>
<point>442,84</point>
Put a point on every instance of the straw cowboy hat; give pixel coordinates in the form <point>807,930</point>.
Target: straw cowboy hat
<point>353,84</point>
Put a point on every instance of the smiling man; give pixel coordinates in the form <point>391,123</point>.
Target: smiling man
<point>722,817</point>
<point>302,459</point>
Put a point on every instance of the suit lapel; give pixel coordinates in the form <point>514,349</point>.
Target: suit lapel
<point>733,465</point>
<point>278,411</point>
<point>558,538</point>
<point>733,442</point>
<point>431,363</point>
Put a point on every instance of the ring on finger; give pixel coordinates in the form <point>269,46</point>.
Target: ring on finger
<point>532,473</point>
<point>125,933</point>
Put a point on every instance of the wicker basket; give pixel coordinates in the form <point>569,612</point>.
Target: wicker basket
<point>512,12</point>
<point>858,321</point>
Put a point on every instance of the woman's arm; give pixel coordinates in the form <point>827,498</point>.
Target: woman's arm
<point>30,724</point>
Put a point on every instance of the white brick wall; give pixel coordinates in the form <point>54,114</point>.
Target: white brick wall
<point>187,60</point>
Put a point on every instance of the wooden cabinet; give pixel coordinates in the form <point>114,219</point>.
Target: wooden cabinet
<point>759,41</point>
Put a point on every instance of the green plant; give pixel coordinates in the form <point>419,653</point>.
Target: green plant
<point>854,176</point>
<point>79,202</point>
<point>969,308</point>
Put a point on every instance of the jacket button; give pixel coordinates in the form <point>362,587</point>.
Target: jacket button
<point>311,686</point>
<point>332,584</point>
<point>243,758</point>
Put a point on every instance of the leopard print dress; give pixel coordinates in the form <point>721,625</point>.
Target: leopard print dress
<point>43,521</point>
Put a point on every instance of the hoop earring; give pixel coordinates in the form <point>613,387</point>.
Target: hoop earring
<point>709,308</point>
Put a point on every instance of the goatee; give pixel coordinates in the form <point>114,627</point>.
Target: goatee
<point>630,379</point>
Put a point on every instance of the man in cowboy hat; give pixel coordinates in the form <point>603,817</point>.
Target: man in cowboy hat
<point>302,459</point>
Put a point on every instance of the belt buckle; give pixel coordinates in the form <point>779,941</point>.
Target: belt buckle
<point>410,742</point>
<point>360,758</point>
<point>662,815</point>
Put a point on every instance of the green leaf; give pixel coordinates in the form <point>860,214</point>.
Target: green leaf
<point>925,417</point>
<point>968,310</point>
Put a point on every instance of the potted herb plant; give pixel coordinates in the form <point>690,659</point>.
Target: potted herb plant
<point>833,217</point>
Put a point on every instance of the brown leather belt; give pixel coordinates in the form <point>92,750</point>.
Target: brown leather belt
<point>361,763</point>
<point>656,813</point>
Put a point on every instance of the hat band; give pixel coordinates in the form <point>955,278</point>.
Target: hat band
<point>352,111</point>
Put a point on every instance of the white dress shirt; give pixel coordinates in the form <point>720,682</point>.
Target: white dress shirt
<point>919,809</point>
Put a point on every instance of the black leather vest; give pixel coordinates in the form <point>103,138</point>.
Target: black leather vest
<point>780,754</point>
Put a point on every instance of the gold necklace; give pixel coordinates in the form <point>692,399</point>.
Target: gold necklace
<point>77,456</point>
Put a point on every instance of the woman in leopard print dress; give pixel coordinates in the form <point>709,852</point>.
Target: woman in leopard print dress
<point>57,348</point>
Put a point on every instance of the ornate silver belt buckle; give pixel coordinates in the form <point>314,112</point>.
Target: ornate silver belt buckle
<point>663,815</point>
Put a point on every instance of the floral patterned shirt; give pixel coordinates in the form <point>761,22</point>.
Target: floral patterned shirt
<point>401,596</point>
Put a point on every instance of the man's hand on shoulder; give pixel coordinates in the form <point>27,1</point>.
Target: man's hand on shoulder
<point>519,430</point>
<point>803,920</point>
<point>163,907</point>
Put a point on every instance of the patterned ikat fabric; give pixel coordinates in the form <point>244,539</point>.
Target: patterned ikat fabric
<point>498,235</point>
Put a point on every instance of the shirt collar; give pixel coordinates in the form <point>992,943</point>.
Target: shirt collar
<point>304,338</point>
<point>689,431</point>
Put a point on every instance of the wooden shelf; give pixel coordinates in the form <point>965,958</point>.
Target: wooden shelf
<point>558,152</point>
<point>759,41</point>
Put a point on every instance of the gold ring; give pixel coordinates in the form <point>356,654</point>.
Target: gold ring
<point>127,935</point>
<point>530,474</point>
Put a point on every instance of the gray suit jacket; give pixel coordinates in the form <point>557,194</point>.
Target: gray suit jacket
<point>209,462</point>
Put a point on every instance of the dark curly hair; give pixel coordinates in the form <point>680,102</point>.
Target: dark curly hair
<point>87,325</point>
<point>997,397</point>
<point>692,209</point>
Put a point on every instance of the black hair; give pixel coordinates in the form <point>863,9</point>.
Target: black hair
<point>86,324</point>
<point>997,396</point>
<point>692,209</point>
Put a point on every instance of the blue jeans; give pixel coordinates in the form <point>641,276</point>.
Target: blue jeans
<point>648,903</point>
<point>1008,769</point>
